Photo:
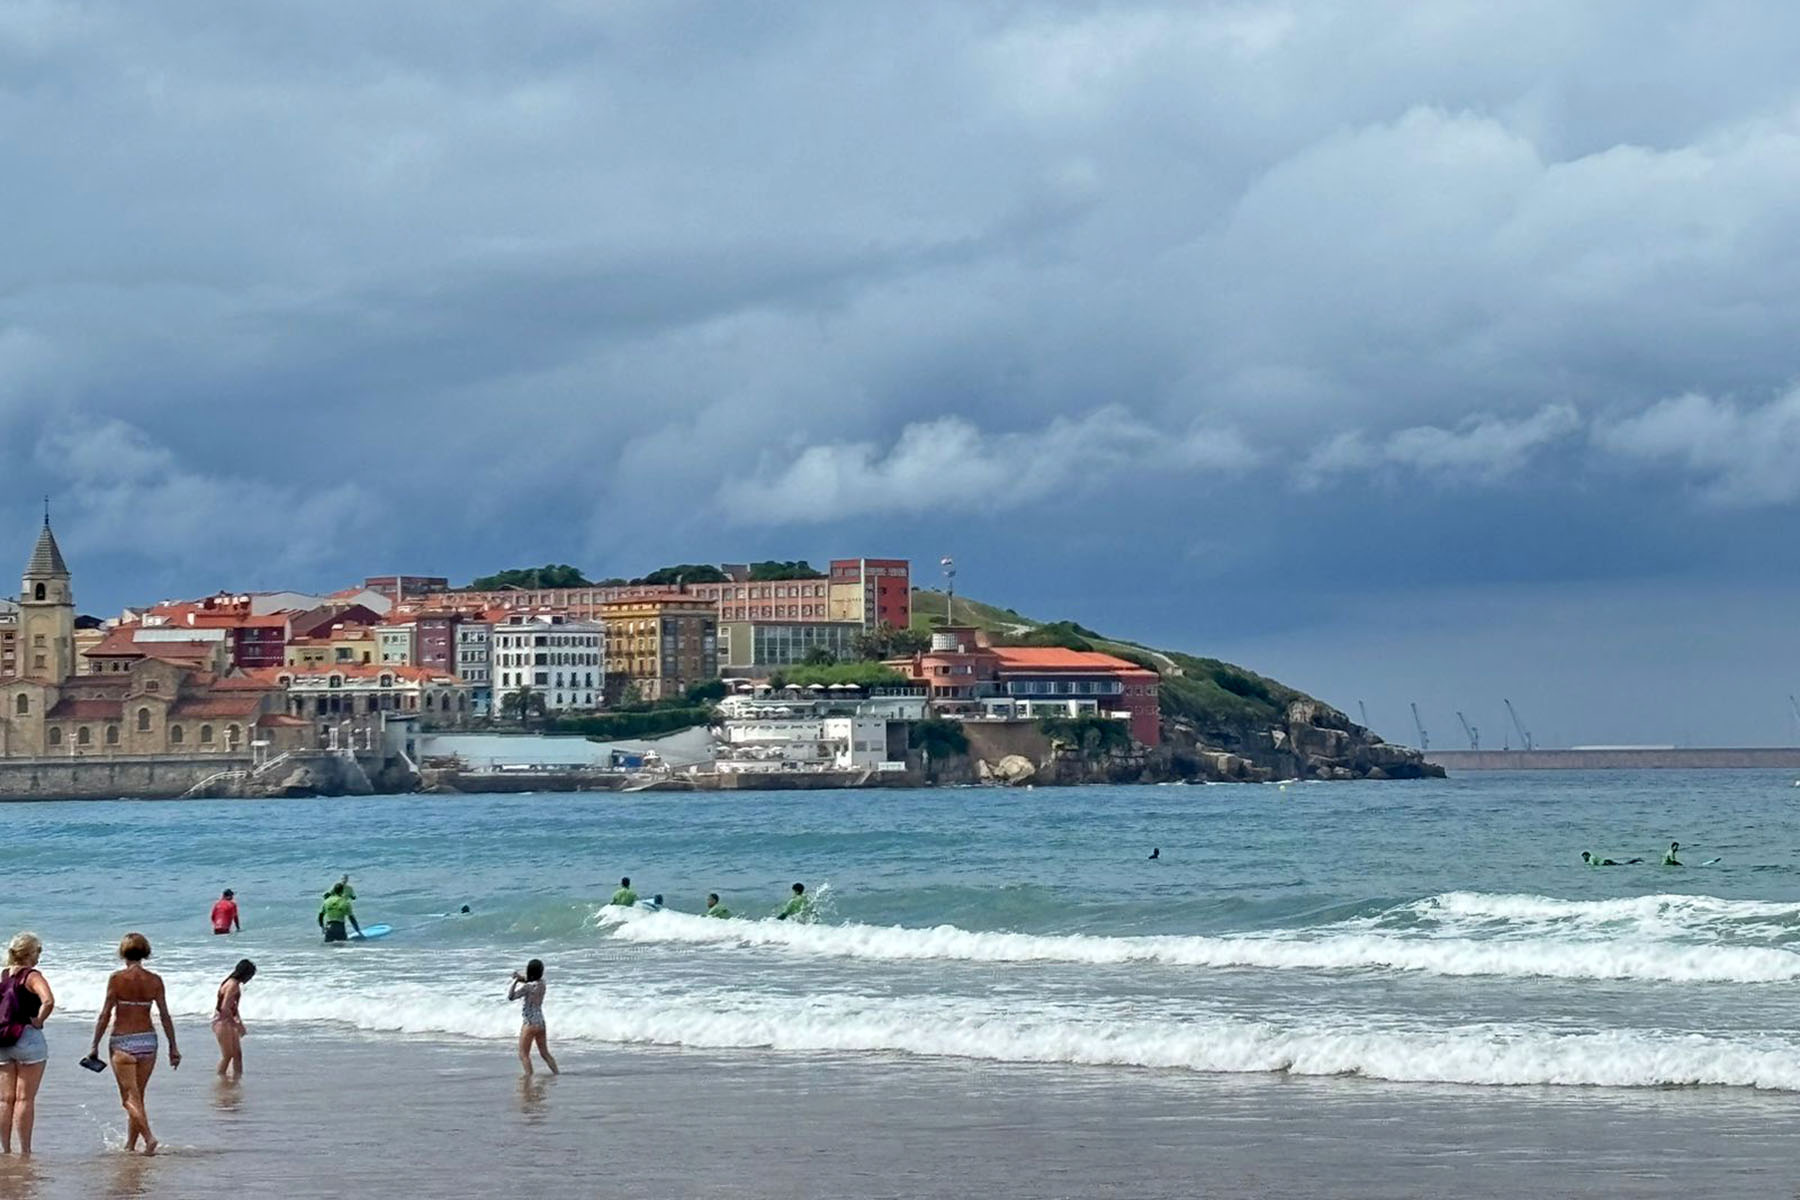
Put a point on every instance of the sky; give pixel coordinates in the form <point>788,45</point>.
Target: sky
<point>1434,352</point>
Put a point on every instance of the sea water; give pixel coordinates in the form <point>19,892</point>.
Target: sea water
<point>1428,932</point>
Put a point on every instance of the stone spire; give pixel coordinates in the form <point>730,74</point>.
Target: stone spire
<point>46,557</point>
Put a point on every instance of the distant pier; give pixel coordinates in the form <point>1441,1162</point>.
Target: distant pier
<point>1620,758</point>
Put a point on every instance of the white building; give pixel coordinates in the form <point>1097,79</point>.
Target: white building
<point>559,659</point>
<point>770,742</point>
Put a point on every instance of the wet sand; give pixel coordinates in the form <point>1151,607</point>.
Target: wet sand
<point>340,1116</point>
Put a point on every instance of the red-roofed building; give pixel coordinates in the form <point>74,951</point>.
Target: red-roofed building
<point>966,674</point>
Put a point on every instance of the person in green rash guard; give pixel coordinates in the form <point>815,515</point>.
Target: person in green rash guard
<point>799,908</point>
<point>334,912</point>
<point>1594,860</point>
<point>343,884</point>
<point>714,908</point>
<point>624,897</point>
<point>1669,859</point>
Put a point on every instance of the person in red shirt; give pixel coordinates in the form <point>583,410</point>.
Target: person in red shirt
<point>225,914</point>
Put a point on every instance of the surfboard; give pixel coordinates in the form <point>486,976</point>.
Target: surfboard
<point>375,931</point>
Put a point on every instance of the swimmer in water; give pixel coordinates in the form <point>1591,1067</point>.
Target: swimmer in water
<point>1156,852</point>
<point>798,908</point>
<point>1669,859</point>
<point>1594,860</point>
<point>624,897</point>
<point>714,908</point>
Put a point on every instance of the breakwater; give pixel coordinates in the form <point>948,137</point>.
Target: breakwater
<point>1624,758</point>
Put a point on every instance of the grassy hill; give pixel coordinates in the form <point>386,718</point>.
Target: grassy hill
<point>1213,695</point>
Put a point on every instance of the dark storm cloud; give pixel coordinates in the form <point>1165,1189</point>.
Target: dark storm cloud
<point>1207,321</point>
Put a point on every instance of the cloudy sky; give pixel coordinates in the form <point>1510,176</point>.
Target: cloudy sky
<point>1437,351</point>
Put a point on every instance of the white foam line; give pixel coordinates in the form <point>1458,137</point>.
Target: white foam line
<point>1555,959</point>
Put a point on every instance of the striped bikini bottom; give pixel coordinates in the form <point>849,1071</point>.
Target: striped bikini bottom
<point>141,1046</point>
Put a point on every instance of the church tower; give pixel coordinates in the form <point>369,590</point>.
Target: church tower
<point>46,613</point>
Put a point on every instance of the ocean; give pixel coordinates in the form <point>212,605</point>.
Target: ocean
<point>1315,989</point>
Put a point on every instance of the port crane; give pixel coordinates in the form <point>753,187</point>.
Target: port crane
<point>1524,735</point>
<point>1469,731</point>
<point>1424,738</point>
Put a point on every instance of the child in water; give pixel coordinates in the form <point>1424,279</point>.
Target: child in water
<point>529,988</point>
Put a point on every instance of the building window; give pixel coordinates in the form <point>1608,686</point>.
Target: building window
<point>84,736</point>
<point>152,686</point>
<point>112,735</point>
<point>177,735</point>
<point>143,720</point>
<point>233,735</point>
<point>39,593</point>
<point>55,736</point>
<point>206,735</point>
<point>22,706</point>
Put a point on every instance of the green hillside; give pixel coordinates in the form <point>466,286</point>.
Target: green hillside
<point>1211,694</point>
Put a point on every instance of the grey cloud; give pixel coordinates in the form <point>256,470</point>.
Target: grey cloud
<point>950,463</point>
<point>1739,455</point>
<point>1482,449</point>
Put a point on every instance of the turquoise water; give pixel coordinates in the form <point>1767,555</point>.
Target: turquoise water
<point>1435,931</point>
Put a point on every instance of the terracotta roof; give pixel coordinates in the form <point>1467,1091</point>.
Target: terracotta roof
<point>281,720</point>
<point>1055,658</point>
<point>241,705</point>
<point>68,709</point>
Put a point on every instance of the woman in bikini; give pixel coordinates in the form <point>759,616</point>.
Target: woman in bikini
<point>227,1026</point>
<point>529,987</point>
<point>131,991</point>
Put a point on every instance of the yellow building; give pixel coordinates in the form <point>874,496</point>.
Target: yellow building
<point>659,646</point>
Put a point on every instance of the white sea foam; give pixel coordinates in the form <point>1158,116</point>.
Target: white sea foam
<point>1038,1032</point>
<point>1327,949</point>
<point>1672,908</point>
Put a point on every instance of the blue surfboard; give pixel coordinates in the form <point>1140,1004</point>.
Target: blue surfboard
<point>375,931</point>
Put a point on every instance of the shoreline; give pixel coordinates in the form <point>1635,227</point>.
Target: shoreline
<point>323,1113</point>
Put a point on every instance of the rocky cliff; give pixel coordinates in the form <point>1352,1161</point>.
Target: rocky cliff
<point>1219,721</point>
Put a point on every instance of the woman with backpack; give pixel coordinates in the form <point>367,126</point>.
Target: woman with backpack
<point>26,1002</point>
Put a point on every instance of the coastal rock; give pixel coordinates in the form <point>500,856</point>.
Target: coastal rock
<point>1013,769</point>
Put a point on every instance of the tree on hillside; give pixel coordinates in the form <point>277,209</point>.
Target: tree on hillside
<point>551,575</point>
<point>857,674</point>
<point>885,641</point>
<point>523,704</point>
<point>683,573</point>
<point>762,572</point>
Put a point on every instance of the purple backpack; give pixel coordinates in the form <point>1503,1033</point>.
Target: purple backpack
<point>18,1005</point>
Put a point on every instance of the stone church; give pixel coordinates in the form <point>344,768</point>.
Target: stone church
<point>162,699</point>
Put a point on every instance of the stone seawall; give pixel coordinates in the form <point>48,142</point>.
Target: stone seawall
<point>152,778</point>
<point>1647,758</point>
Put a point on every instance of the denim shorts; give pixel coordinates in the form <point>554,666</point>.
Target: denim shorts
<point>29,1049</point>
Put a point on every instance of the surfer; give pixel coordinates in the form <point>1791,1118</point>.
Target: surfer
<point>529,988</point>
<point>624,897</point>
<point>335,911</point>
<point>225,914</point>
<point>799,908</point>
<point>714,908</point>
<point>227,1025</point>
<point>1594,860</point>
<point>654,903</point>
<point>1669,859</point>
<point>1155,853</point>
<point>343,884</point>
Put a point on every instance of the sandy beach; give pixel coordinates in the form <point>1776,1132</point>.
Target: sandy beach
<point>330,1116</point>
